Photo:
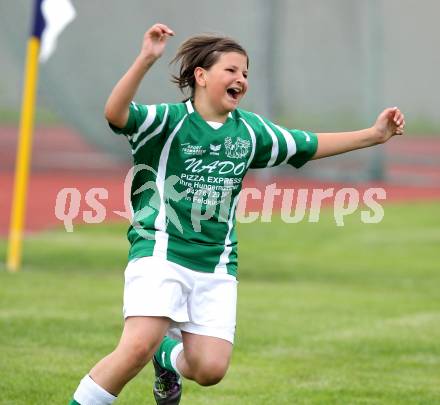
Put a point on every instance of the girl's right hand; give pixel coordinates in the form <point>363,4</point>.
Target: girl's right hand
<point>155,41</point>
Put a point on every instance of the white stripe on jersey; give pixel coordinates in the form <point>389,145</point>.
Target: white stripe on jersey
<point>224,257</point>
<point>158,130</point>
<point>161,236</point>
<point>149,119</point>
<point>275,147</point>
<point>306,135</point>
<point>254,141</point>
<point>291,145</point>
<point>189,107</point>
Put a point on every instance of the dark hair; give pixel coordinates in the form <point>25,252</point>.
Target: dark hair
<point>201,51</point>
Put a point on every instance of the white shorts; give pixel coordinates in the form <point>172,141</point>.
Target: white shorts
<point>196,302</point>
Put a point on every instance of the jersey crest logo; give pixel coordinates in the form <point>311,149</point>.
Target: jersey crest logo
<point>237,150</point>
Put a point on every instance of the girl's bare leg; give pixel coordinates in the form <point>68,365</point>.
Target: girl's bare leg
<point>139,341</point>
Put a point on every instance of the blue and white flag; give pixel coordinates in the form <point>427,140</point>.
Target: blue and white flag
<point>50,18</point>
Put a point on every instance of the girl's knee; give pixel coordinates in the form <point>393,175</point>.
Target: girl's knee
<point>138,354</point>
<point>210,372</point>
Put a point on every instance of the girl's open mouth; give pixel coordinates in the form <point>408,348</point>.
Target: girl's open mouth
<point>234,92</point>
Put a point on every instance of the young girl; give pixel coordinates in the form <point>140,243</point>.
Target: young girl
<point>190,159</point>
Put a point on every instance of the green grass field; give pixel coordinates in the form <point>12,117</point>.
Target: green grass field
<point>326,315</point>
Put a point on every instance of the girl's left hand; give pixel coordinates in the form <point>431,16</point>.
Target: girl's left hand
<point>390,122</point>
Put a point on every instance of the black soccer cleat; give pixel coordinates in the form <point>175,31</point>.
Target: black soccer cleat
<point>167,387</point>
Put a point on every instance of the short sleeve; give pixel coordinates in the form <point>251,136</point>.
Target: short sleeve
<point>276,145</point>
<point>306,143</point>
<point>144,122</point>
<point>136,116</point>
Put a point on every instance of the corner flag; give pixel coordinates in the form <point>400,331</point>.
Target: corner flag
<point>50,17</point>
<point>57,14</point>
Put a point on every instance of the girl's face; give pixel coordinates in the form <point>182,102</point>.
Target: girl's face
<point>226,82</point>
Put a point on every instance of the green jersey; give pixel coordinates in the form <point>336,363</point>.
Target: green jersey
<point>187,177</point>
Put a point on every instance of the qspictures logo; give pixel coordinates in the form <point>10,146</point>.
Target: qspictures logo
<point>297,205</point>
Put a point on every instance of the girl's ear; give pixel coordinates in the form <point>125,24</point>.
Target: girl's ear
<point>199,75</point>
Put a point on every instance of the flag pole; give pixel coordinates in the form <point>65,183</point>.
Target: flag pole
<point>22,164</point>
<point>23,159</point>
<point>50,17</point>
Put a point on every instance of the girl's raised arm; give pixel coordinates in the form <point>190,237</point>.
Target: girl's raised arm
<point>390,122</point>
<point>117,105</point>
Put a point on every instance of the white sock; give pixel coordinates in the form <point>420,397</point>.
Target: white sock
<point>173,356</point>
<point>90,393</point>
